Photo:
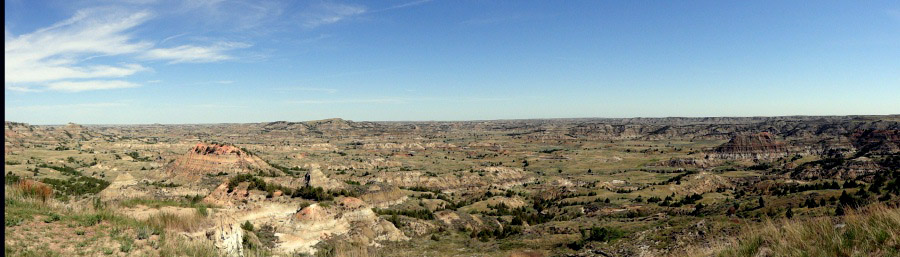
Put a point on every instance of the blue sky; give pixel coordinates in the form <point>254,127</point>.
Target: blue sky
<point>158,61</point>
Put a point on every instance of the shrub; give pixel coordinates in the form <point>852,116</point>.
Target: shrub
<point>13,221</point>
<point>12,179</point>
<point>247,226</point>
<point>419,214</point>
<point>313,193</point>
<point>77,185</point>
<point>51,218</point>
<point>90,220</point>
<point>266,236</point>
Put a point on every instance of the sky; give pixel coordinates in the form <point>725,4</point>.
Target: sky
<point>225,61</point>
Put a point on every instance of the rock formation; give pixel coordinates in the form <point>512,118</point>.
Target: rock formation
<point>315,178</point>
<point>350,219</point>
<point>761,145</point>
<point>228,236</point>
<point>876,141</point>
<point>213,159</point>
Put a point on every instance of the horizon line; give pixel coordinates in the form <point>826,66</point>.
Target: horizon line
<point>473,120</point>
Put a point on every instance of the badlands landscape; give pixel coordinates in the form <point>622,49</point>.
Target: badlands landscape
<point>742,186</point>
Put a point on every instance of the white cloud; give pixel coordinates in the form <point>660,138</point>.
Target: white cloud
<point>78,86</point>
<point>50,72</point>
<point>52,53</point>
<point>328,13</point>
<point>61,56</point>
<point>194,54</point>
<point>21,88</point>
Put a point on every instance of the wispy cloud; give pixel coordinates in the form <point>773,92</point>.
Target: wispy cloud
<point>328,13</point>
<point>403,5</point>
<point>240,15</point>
<point>70,106</point>
<point>61,57</point>
<point>21,88</point>
<point>308,89</point>
<point>194,54</point>
<point>78,86</point>
<point>53,53</point>
<point>172,37</point>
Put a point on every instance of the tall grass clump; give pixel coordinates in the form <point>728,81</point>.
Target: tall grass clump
<point>187,223</point>
<point>31,188</point>
<point>871,231</point>
<point>174,247</point>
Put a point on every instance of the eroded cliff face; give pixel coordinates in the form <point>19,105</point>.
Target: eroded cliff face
<point>860,167</point>
<point>204,160</point>
<point>761,145</point>
<point>876,141</point>
<point>349,220</point>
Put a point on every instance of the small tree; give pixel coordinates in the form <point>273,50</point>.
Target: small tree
<point>762,203</point>
<point>697,209</point>
<point>247,226</point>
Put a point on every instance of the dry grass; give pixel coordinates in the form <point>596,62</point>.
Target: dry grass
<point>22,203</point>
<point>171,221</point>
<point>873,231</point>
<point>34,189</point>
<point>178,247</point>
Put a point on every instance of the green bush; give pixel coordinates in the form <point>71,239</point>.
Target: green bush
<point>247,226</point>
<point>51,218</point>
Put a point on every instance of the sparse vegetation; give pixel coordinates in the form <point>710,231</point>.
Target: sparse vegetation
<point>552,187</point>
<point>872,230</point>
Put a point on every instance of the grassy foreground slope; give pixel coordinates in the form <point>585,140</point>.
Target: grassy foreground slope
<point>39,225</point>
<point>872,231</point>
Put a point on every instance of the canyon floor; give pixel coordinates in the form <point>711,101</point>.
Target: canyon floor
<point>558,187</point>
